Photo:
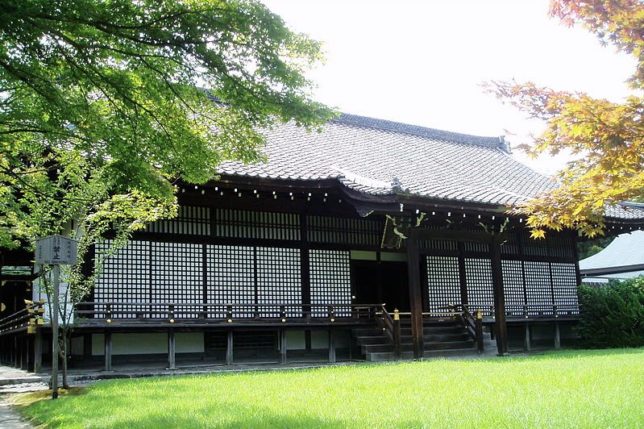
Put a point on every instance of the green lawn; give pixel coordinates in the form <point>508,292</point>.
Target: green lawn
<point>587,389</point>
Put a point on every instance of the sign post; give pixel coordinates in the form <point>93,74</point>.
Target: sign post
<point>55,250</point>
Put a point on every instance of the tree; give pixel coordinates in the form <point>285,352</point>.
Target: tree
<point>609,136</point>
<point>105,106</point>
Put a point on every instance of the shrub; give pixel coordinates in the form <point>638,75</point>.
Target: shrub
<point>612,315</point>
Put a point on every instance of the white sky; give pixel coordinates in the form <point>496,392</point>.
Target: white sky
<point>422,62</point>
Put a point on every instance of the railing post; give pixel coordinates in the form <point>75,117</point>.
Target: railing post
<point>171,313</point>
<point>283,345</point>
<point>396,333</point>
<point>229,313</point>
<point>479,331</point>
<point>331,314</point>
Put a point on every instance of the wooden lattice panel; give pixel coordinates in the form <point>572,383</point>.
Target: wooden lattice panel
<point>538,288</point>
<point>230,277</point>
<point>124,276</point>
<point>438,245</point>
<point>330,274</point>
<point>561,246</point>
<point>513,290</point>
<point>511,245</point>
<point>478,276</point>
<point>253,224</point>
<point>443,283</point>
<point>533,247</point>
<point>279,279</point>
<point>361,232</point>
<point>564,282</point>
<point>190,221</point>
<point>177,277</point>
<point>476,247</point>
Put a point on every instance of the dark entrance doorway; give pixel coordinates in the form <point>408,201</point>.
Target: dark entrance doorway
<point>381,282</point>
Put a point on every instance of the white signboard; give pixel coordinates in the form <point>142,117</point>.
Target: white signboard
<point>56,249</point>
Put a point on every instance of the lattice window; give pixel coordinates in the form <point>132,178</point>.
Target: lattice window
<point>513,287</point>
<point>177,277</point>
<point>538,288</point>
<point>478,276</point>
<point>564,283</point>
<point>511,246</point>
<point>475,246</point>
<point>362,232</point>
<point>279,279</point>
<point>532,247</point>
<point>230,278</point>
<point>443,283</point>
<point>190,220</point>
<point>439,245</point>
<point>125,276</point>
<point>561,246</point>
<point>330,273</point>
<point>252,224</point>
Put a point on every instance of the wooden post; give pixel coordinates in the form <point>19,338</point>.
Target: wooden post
<point>38,351</point>
<point>557,336</point>
<point>500,324</point>
<point>108,351</point>
<point>479,331</point>
<point>527,343</point>
<point>283,346</point>
<point>415,294</point>
<point>54,333</point>
<point>172,363</point>
<point>332,358</point>
<point>229,347</point>
<point>397,351</point>
<point>461,271</point>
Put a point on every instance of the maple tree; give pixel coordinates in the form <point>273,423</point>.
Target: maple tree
<point>608,136</point>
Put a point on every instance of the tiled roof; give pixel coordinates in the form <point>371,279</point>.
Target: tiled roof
<point>379,157</point>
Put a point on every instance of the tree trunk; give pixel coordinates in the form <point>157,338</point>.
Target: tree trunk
<point>63,355</point>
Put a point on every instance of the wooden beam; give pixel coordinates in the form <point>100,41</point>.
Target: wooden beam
<point>415,293</point>
<point>108,351</point>
<point>332,357</point>
<point>500,324</point>
<point>172,363</point>
<point>229,347</point>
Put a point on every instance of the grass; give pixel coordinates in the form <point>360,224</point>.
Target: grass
<point>587,389</point>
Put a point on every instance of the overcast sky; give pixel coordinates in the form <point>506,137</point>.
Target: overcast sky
<point>422,62</point>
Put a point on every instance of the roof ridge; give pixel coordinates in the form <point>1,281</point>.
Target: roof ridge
<point>421,131</point>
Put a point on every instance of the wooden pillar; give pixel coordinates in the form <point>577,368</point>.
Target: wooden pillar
<point>229,347</point>
<point>332,357</point>
<point>38,351</point>
<point>283,346</point>
<point>500,325</point>
<point>462,278</point>
<point>108,351</point>
<point>557,336</point>
<point>415,294</point>
<point>305,266</point>
<point>527,345</point>
<point>172,347</point>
